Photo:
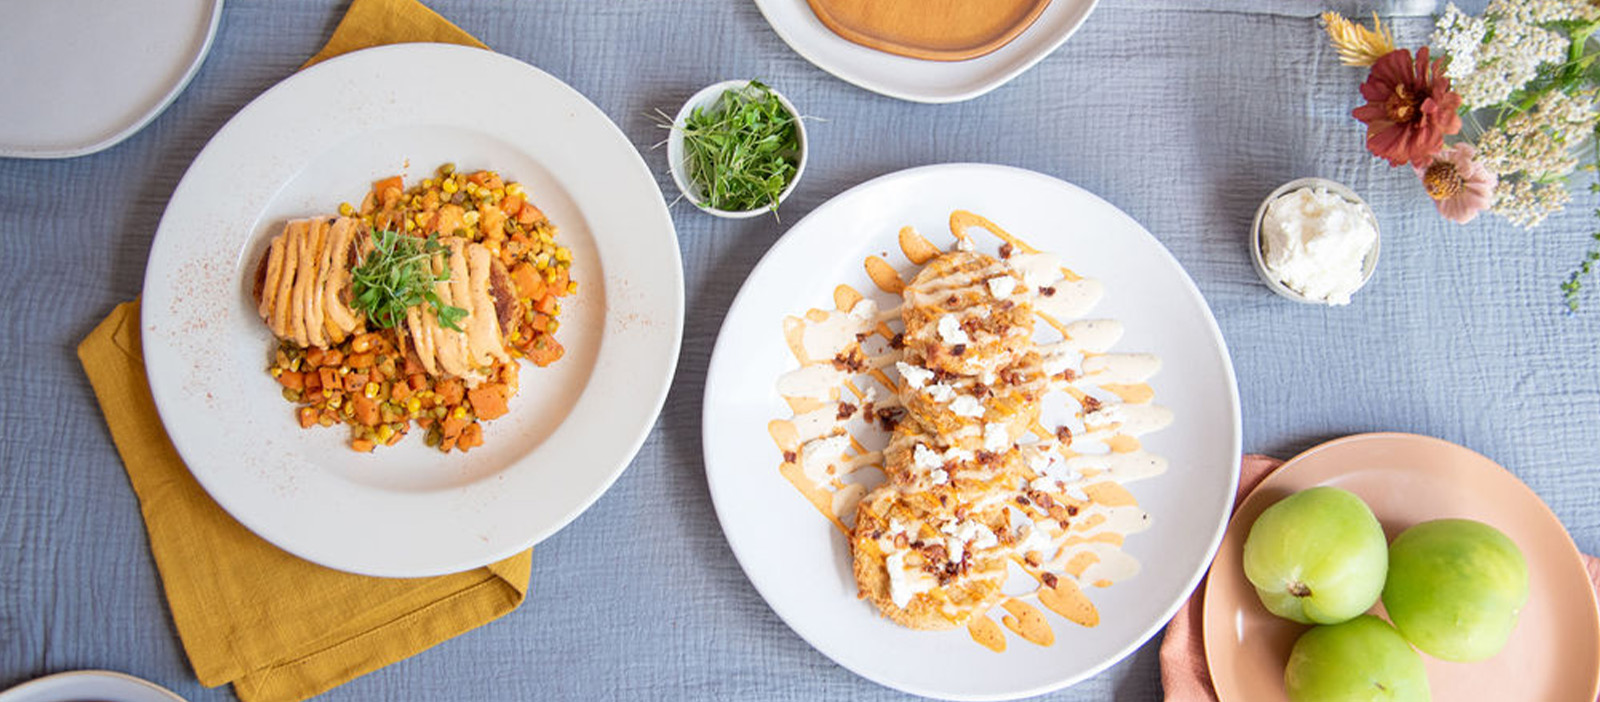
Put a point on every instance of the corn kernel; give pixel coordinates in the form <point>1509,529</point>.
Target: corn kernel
<point>413,404</point>
<point>327,393</point>
<point>572,287</point>
<point>498,193</point>
<point>371,390</point>
<point>551,326</point>
<point>410,225</point>
<point>449,186</point>
<point>335,401</point>
<point>275,372</point>
<point>515,189</point>
<point>346,209</point>
<point>459,412</point>
<point>384,432</point>
<point>427,183</point>
<point>470,218</point>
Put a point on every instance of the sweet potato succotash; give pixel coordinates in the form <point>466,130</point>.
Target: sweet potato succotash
<point>414,308</point>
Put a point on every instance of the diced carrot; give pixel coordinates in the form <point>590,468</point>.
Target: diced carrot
<point>511,205</point>
<point>417,380</point>
<point>361,361</point>
<point>294,380</point>
<point>545,351</point>
<point>479,178</point>
<point>488,400</point>
<point>540,322</point>
<point>451,427</point>
<point>365,410</point>
<point>388,190</point>
<point>424,422</point>
<point>450,392</point>
<point>413,365</point>
<point>332,357</point>
<point>399,392</point>
<point>313,382</point>
<point>362,445</point>
<point>355,382</point>
<point>471,436</point>
<point>546,304</point>
<point>448,443</point>
<point>308,417</point>
<point>529,214</point>
<point>526,278</point>
<point>330,377</point>
<point>314,356</point>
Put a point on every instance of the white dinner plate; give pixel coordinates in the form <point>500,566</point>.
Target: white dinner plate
<point>87,685</point>
<point>320,138</point>
<point>80,76</point>
<point>915,79</point>
<point>800,563</point>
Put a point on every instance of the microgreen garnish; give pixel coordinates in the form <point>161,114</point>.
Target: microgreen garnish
<point>397,274</point>
<point>742,150</point>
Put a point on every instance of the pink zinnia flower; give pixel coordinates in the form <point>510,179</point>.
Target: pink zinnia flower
<point>1460,186</point>
<point>1409,109</point>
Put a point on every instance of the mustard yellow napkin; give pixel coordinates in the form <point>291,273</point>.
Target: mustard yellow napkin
<point>279,628</point>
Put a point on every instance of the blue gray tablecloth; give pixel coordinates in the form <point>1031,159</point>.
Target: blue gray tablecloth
<point>1183,113</point>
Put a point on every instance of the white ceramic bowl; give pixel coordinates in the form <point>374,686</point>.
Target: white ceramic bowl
<point>675,155</point>
<point>1258,256</point>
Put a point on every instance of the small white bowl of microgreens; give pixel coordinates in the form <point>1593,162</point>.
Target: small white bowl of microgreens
<point>737,149</point>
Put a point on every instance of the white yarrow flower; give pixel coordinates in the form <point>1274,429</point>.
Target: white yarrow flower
<point>1484,74</point>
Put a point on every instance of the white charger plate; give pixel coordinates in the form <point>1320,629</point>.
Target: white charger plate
<point>84,685</point>
<point>319,138</point>
<point>80,76</point>
<point>800,563</point>
<point>915,79</point>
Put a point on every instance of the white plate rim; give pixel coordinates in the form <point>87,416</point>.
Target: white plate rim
<point>133,127</point>
<point>55,681</point>
<point>1011,60</point>
<point>641,404</point>
<point>791,239</point>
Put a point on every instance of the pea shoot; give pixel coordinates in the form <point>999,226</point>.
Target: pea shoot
<point>397,274</point>
<point>742,150</point>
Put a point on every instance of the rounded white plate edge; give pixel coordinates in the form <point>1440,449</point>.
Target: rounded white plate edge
<point>1213,540</point>
<point>134,127</point>
<point>53,687</point>
<point>794,23</point>
<point>667,363</point>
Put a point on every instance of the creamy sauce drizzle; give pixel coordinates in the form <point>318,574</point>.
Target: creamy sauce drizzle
<point>830,442</point>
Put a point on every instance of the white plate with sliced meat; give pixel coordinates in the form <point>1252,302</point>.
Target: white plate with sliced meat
<point>321,138</point>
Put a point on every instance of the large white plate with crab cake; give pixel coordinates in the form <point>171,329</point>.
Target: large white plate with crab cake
<point>778,518</point>
<point>318,139</point>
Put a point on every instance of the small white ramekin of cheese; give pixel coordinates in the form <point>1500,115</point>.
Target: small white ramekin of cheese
<point>1314,241</point>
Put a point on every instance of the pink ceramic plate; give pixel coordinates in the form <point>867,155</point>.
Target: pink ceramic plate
<point>1554,653</point>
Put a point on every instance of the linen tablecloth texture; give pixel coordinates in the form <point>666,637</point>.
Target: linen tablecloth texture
<point>1184,673</point>
<point>279,628</point>
<point>1182,113</point>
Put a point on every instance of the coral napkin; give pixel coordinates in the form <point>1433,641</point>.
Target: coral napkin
<point>1184,675</point>
<point>279,628</point>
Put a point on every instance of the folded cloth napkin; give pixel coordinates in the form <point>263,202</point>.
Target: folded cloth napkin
<point>1184,675</point>
<point>279,628</point>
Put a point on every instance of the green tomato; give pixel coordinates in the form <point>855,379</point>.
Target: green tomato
<point>1455,588</point>
<point>1361,660</point>
<point>1317,557</point>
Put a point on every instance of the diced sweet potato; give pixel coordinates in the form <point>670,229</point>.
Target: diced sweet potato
<point>488,400</point>
<point>294,380</point>
<point>364,410</point>
<point>450,392</point>
<point>526,278</point>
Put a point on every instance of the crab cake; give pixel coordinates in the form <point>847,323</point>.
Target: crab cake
<point>922,569</point>
<point>964,407</point>
<point>964,315</point>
